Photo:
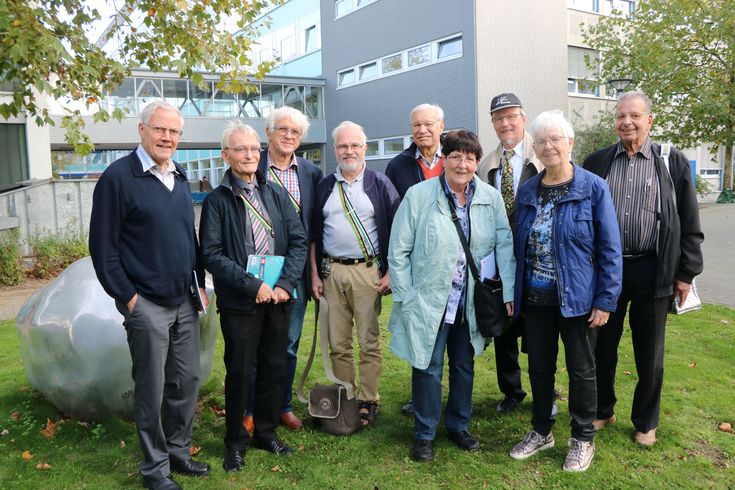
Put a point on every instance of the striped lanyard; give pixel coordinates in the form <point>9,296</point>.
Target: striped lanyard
<point>363,239</point>
<point>278,181</point>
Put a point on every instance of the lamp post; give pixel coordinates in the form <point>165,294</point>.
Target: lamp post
<point>619,85</point>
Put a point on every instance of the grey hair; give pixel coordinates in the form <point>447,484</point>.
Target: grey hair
<point>422,107</point>
<point>636,94</point>
<point>551,119</point>
<point>287,112</point>
<point>349,124</point>
<point>153,106</point>
<point>237,126</point>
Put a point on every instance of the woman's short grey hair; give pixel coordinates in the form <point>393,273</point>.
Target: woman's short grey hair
<point>153,106</point>
<point>349,124</point>
<point>551,119</point>
<point>237,126</point>
<point>636,94</point>
<point>286,112</point>
<point>422,107</point>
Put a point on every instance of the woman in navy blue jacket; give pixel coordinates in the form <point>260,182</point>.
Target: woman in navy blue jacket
<point>568,278</point>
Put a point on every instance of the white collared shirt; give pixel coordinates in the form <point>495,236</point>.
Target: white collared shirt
<point>429,164</point>
<point>166,174</point>
<point>517,161</point>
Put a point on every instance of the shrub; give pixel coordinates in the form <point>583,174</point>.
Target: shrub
<point>11,270</point>
<point>701,186</point>
<point>55,252</point>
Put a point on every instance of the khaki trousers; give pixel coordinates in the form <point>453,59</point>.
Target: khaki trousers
<point>351,293</point>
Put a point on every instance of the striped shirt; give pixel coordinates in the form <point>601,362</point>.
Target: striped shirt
<point>635,192</point>
<point>289,177</point>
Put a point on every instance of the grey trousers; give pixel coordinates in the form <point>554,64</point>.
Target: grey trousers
<point>164,346</point>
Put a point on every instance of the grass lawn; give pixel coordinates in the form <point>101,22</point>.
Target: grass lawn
<point>699,393</point>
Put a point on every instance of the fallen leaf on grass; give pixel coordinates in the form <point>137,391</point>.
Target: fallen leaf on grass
<point>725,427</point>
<point>220,412</point>
<point>43,466</point>
<point>50,429</point>
<point>276,468</point>
<point>4,432</point>
<point>667,413</point>
<point>726,322</point>
<point>628,373</point>
<point>693,364</point>
<point>122,444</point>
<point>16,416</point>
<point>194,450</point>
<point>26,456</point>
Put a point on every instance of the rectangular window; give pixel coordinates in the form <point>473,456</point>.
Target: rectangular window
<point>392,146</point>
<point>372,149</point>
<point>709,171</point>
<point>450,47</point>
<point>346,77</point>
<point>419,56</point>
<point>342,7</point>
<point>310,40</point>
<point>580,75</point>
<point>392,63</point>
<point>368,71</point>
<point>626,7</point>
<point>287,48</point>
<point>588,5</point>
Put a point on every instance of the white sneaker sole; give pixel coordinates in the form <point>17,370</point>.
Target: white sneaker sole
<point>521,457</point>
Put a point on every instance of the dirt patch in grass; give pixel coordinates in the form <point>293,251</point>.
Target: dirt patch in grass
<point>714,453</point>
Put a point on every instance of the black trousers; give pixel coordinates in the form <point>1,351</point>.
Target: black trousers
<point>544,325</point>
<point>506,361</point>
<point>648,327</point>
<point>259,337</point>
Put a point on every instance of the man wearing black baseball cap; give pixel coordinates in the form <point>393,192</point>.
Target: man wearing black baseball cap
<point>506,168</point>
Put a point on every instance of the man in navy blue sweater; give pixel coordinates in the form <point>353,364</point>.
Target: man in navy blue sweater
<point>144,249</point>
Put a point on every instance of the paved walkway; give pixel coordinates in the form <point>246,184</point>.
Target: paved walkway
<point>716,284</point>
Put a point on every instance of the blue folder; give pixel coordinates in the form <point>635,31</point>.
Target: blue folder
<point>267,268</point>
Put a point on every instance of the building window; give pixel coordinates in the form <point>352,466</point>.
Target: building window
<point>310,39</point>
<point>344,7</point>
<point>368,71</point>
<point>392,146</point>
<point>450,47</point>
<point>626,7</point>
<point>392,63</point>
<point>346,77</point>
<point>709,172</point>
<point>372,149</point>
<point>419,56</point>
<point>580,77</point>
<point>287,49</point>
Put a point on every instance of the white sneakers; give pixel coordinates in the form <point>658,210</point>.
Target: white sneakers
<point>578,459</point>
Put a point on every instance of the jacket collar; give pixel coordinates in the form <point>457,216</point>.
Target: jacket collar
<point>228,180</point>
<point>580,187</point>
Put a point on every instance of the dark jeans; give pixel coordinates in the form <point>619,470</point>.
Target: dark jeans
<point>543,326</point>
<point>506,361</point>
<point>258,337</point>
<point>648,328</point>
<point>427,384</point>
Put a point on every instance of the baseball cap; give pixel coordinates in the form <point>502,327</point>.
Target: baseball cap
<point>503,101</point>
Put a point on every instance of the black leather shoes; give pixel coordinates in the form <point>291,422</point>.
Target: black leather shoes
<point>407,408</point>
<point>465,440</point>
<point>234,460</point>
<point>189,467</point>
<point>507,405</point>
<point>422,451</point>
<point>275,446</point>
<point>167,483</point>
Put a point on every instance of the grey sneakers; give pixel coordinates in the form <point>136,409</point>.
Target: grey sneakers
<point>531,444</point>
<point>580,455</point>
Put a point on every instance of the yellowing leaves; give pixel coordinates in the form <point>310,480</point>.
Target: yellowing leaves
<point>43,466</point>
<point>50,429</point>
<point>26,455</point>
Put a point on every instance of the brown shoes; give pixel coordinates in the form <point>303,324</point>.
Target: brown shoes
<point>600,423</point>
<point>645,438</point>
<point>247,422</point>
<point>291,421</point>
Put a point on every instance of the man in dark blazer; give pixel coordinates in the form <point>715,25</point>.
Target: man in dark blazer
<point>286,128</point>
<point>657,212</point>
<point>144,249</point>
<point>247,215</point>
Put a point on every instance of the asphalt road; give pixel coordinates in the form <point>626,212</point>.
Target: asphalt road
<point>716,284</point>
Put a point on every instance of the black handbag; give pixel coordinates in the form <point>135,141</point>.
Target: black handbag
<point>333,406</point>
<point>490,313</point>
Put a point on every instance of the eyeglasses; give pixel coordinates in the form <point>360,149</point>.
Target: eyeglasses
<point>244,149</point>
<point>351,146</point>
<point>160,131</point>
<point>635,116</point>
<point>285,130</point>
<point>555,141</point>
<point>427,125</point>
<point>457,158</point>
<point>511,118</point>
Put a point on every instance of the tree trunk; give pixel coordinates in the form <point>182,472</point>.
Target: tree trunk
<point>727,169</point>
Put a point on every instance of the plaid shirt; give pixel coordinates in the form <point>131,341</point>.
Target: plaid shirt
<point>289,177</point>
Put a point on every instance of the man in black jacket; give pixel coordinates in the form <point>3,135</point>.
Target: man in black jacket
<point>659,228</point>
<point>144,250</point>
<point>248,215</point>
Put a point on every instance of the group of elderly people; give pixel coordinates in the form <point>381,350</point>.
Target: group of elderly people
<point>549,229</point>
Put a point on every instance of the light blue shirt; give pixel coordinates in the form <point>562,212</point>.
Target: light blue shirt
<point>456,299</point>
<point>517,161</point>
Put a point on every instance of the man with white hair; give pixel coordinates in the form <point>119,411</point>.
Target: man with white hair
<point>144,250</point>
<point>354,213</point>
